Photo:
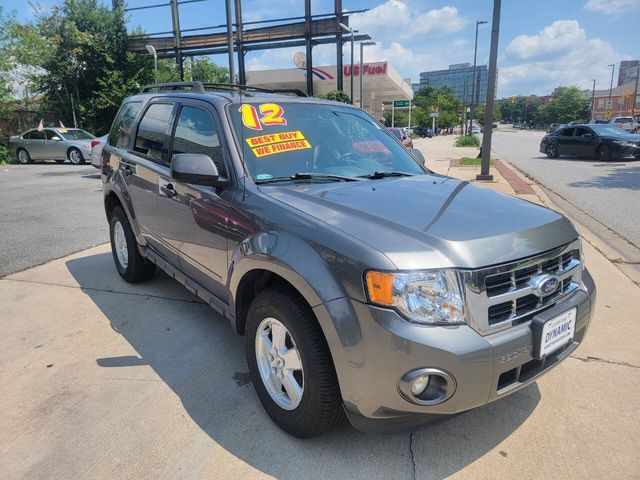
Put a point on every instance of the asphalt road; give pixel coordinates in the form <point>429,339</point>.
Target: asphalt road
<point>48,211</point>
<point>608,192</point>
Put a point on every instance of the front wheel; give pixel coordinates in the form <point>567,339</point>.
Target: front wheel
<point>131,266</point>
<point>604,153</point>
<point>552,151</point>
<point>290,364</point>
<point>75,156</point>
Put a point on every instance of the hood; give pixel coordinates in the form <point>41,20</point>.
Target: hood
<point>629,137</point>
<point>429,221</point>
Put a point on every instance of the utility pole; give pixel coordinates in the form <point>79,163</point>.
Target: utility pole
<point>308,47</point>
<point>609,105</point>
<point>242,79</point>
<point>635,93</point>
<point>230,41</point>
<point>593,100</point>
<point>361,72</point>
<point>73,111</point>
<point>491,93</point>
<point>352,31</point>
<point>473,89</point>
<point>464,109</point>
<point>338,13</point>
<point>177,37</point>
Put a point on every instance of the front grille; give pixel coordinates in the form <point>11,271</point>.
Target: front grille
<point>502,296</point>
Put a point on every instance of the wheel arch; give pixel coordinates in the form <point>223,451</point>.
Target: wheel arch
<point>113,199</point>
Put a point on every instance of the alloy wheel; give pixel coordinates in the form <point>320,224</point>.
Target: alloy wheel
<point>120,243</point>
<point>279,363</point>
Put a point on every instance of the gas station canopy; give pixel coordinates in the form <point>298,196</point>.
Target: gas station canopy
<point>381,83</point>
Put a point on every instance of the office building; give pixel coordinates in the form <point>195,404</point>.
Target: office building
<point>628,71</point>
<point>455,77</point>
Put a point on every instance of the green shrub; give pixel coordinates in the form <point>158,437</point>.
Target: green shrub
<point>467,141</point>
<point>5,154</point>
<point>468,161</point>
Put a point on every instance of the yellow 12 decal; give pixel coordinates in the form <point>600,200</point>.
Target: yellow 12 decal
<point>272,114</point>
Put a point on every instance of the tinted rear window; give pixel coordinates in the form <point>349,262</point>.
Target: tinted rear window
<point>150,137</point>
<point>121,128</point>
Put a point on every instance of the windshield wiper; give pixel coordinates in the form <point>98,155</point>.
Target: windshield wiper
<point>307,176</point>
<point>378,175</point>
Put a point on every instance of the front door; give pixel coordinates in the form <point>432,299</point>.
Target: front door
<point>194,219</point>
<point>585,142</point>
<point>55,145</point>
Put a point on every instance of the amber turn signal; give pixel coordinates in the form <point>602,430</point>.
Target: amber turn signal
<point>380,287</point>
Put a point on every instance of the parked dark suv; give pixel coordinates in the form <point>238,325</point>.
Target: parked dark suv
<point>365,284</point>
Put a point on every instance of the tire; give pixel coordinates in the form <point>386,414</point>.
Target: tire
<point>552,151</point>
<point>75,156</point>
<point>23,156</point>
<point>319,406</point>
<point>604,153</point>
<point>131,266</point>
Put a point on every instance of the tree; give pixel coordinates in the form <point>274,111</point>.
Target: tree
<point>442,100</point>
<point>336,96</point>
<point>205,70</point>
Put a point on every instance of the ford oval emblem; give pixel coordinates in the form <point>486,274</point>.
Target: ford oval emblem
<point>544,285</point>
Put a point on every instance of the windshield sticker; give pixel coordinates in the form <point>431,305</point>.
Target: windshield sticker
<point>264,176</point>
<point>264,145</point>
<point>272,114</point>
<point>272,138</point>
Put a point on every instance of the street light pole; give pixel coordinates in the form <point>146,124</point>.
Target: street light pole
<point>152,51</point>
<point>613,67</point>
<point>491,93</point>
<point>473,88</point>
<point>635,93</point>
<point>593,100</point>
<point>362,45</point>
<point>348,29</point>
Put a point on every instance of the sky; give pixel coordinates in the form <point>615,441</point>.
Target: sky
<point>543,44</point>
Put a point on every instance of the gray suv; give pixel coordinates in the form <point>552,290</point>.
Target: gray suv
<point>365,285</point>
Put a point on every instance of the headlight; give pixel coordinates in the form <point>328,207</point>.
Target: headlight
<point>423,297</point>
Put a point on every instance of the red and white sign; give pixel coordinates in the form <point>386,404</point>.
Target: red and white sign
<point>379,68</point>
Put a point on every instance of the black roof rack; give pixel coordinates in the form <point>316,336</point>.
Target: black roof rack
<point>200,87</point>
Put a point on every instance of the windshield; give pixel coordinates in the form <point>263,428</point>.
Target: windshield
<point>604,129</point>
<point>75,134</point>
<point>280,140</point>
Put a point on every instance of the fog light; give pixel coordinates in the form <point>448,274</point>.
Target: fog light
<point>419,385</point>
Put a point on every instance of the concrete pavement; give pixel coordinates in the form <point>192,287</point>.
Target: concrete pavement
<point>102,379</point>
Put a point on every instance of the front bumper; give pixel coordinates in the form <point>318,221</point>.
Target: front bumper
<point>627,151</point>
<point>374,347</point>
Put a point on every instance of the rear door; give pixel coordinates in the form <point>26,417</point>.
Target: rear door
<point>36,146</point>
<point>193,219</point>
<point>566,142</point>
<point>139,168</point>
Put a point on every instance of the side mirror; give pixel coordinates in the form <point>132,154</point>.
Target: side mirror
<point>417,154</point>
<point>588,135</point>
<point>196,168</point>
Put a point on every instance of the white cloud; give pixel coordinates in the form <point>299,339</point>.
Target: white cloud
<point>406,23</point>
<point>611,7</point>
<point>560,54</point>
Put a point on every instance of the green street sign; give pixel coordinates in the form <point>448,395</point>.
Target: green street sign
<point>400,103</point>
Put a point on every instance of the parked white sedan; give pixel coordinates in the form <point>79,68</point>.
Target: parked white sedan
<point>96,150</point>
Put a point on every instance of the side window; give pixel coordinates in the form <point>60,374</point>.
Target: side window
<point>150,136</point>
<point>51,134</point>
<point>581,132</point>
<point>36,135</point>
<point>196,133</point>
<point>27,136</point>
<point>121,128</point>
<point>568,132</point>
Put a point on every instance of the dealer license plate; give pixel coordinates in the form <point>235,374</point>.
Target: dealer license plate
<point>557,332</point>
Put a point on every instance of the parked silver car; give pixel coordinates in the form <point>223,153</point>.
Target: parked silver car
<point>57,144</point>
<point>96,150</point>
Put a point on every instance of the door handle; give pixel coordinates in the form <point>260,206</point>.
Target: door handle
<point>126,169</point>
<point>168,190</point>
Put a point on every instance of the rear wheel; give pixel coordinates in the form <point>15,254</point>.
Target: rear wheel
<point>131,266</point>
<point>290,364</point>
<point>552,151</point>
<point>23,156</point>
<point>75,156</point>
<point>604,153</point>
